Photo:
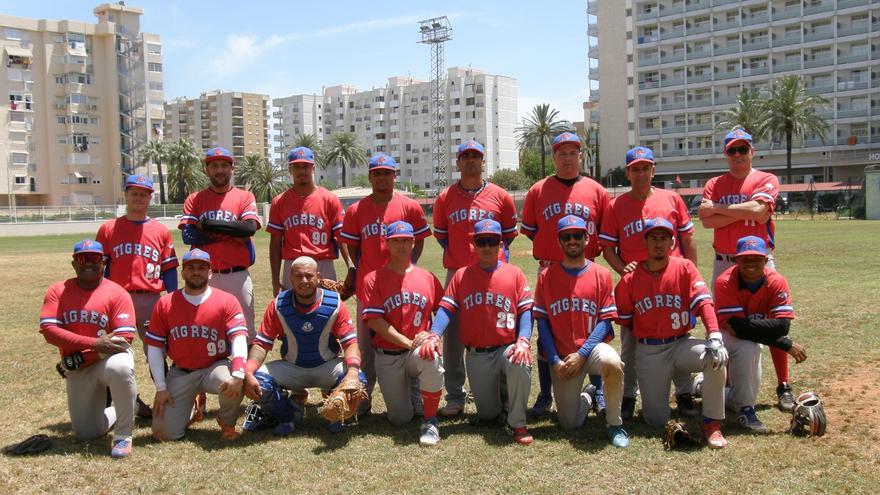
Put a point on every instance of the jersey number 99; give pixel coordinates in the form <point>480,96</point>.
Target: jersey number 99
<point>215,348</point>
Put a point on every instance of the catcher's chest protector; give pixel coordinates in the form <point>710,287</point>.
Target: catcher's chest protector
<point>308,340</point>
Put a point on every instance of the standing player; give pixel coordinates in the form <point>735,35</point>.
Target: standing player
<point>139,256</point>
<point>656,301</point>
<point>754,307</point>
<point>623,247</point>
<point>456,210</point>
<point>199,328</point>
<point>313,325</point>
<point>305,220</point>
<point>400,301</point>
<point>738,204</point>
<point>90,320</point>
<point>574,307</point>
<point>221,221</point>
<point>566,193</point>
<point>493,302</point>
<point>364,229</point>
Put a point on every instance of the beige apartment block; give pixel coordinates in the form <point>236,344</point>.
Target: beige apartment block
<point>82,98</point>
<point>661,71</point>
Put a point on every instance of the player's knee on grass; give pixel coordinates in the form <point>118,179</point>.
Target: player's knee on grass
<point>162,431</point>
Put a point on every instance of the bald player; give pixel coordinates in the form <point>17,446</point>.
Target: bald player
<point>401,299</point>
<point>623,247</point>
<point>493,303</point>
<point>204,332</point>
<point>566,193</point>
<point>90,320</point>
<point>574,308</point>
<point>456,210</point>
<point>656,301</point>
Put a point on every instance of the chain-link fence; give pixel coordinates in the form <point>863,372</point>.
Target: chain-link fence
<point>79,213</point>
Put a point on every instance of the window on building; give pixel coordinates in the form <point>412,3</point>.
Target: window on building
<point>154,67</point>
<point>13,34</point>
<point>154,48</point>
<point>20,180</point>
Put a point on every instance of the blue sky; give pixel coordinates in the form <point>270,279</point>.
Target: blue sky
<point>284,48</point>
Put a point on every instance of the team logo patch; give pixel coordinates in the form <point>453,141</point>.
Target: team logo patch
<point>123,316</point>
<point>307,327</point>
<point>750,243</point>
<point>699,283</point>
<point>638,153</point>
<point>140,179</point>
<point>782,296</point>
<point>739,133</point>
<point>239,316</point>
<point>381,159</point>
<point>218,152</point>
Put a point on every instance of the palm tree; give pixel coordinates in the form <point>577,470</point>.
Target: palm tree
<point>343,149</point>
<point>538,130</point>
<point>590,145</point>
<point>750,114</point>
<point>260,177</point>
<point>155,151</point>
<point>185,173</point>
<point>792,111</point>
<point>309,141</point>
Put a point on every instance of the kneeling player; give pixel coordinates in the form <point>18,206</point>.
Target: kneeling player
<point>400,301</point>
<point>199,327</point>
<point>574,308</point>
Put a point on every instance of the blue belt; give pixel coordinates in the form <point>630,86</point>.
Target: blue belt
<point>668,340</point>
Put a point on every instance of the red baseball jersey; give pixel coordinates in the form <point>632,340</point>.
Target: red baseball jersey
<point>310,225</point>
<point>233,205</point>
<point>574,304</point>
<point>405,301</point>
<point>488,303</point>
<point>660,305</point>
<point>138,252</point>
<point>727,189</point>
<point>457,210</point>
<point>90,313</point>
<point>196,336</point>
<point>734,299</point>
<point>364,228</point>
<point>622,223</point>
<point>549,200</point>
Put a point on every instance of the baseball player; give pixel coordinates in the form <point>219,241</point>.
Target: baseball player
<point>91,321</point>
<point>754,308</point>
<point>313,325</point>
<point>456,210</point>
<point>566,193</point>
<point>305,220</point>
<point>199,328</point>
<point>139,256</point>
<point>623,247</point>
<point>221,220</point>
<point>363,229</point>
<point>400,301</point>
<point>738,204</point>
<point>656,301</point>
<point>493,303</point>
<point>574,308</point>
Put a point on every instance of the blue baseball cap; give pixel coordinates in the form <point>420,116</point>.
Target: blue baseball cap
<point>141,181</point>
<point>471,145</point>
<point>751,245</point>
<point>301,155</point>
<point>639,154</point>
<point>196,255</point>
<point>399,229</point>
<point>487,226</point>
<point>218,153</point>
<point>657,223</point>
<point>735,136</point>
<point>381,161</point>
<point>88,246</point>
<point>566,138</point>
<point>570,222</point>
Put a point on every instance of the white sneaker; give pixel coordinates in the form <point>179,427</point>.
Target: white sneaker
<point>430,433</point>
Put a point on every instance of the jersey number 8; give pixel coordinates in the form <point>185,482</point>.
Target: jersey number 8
<point>216,348</point>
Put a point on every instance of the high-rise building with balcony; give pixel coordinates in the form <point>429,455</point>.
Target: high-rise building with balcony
<point>82,98</point>
<point>675,64</point>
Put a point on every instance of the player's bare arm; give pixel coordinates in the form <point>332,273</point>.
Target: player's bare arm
<point>417,250</point>
<point>755,210</point>
<point>275,262</point>
<point>110,344</point>
<point>614,260</point>
<point>352,354</point>
<point>688,248</point>
<point>389,333</point>
<point>256,356</point>
<point>346,257</point>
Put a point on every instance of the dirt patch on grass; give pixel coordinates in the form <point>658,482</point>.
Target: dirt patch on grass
<point>852,405</point>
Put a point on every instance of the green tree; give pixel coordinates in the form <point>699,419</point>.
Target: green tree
<point>791,111</point>
<point>155,151</point>
<point>361,181</point>
<point>616,177</point>
<point>538,130</point>
<point>590,147</point>
<point>530,164</point>
<point>511,180</point>
<point>261,177</point>
<point>750,114</point>
<point>345,150</point>
<point>410,186</point>
<point>185,171</point>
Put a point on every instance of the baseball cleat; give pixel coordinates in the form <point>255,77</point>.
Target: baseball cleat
<point>337,427</point>
<point>300,397</point>
<point>618,436</point>
<point>712,431</point>
<point>749,420</point>
<point>143,410</point>
<point>628,407</point>
<point>121,448</point>
<point>541,407</point>
<point>283,429</point>
<point>599,403</point>
<point>227,432</point>
<point>785,397</point>
<point>499,420</point>
<point>522,436</point>
<point>451,410</point>
<point>698,385</point>
<point>365,409</point>
<point>587,395</point>
<point>686,406</point>
<point>430,433</point>
<point>198,411</point>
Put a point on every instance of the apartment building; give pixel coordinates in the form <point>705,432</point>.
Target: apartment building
<point>82,98</point>
<point>687,60</point>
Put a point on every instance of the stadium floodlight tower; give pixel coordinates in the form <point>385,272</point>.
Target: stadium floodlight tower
<point>435,32</point>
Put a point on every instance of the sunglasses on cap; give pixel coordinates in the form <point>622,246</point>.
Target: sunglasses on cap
<point>487,241</point>
<point>83,258</point>
<point>578,236</point>
<point>734,150</point>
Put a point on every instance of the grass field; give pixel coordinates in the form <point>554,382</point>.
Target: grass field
<point>832,267</point>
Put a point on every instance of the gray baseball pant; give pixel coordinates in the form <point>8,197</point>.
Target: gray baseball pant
<point>325,268</point>
<point>681,379</point>
<point>294,377</point>
<point>396,374</point>
<point>143,309</point>
<point>571,408</point>
<point>744,370</point>
<point>87,397</point>
<point>453,358</point>
<point>485,371</point>
<point>238,284</point>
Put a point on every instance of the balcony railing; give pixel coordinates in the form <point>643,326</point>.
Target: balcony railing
<point>726,75</point>
<point>693,79</point>
<point>643,16</point>
<point>646,61</point>
<point>786,13</point>
<point>756,71</point>
<point>812,63</point>
<point>785,67</point>
<point>701,151</point>
<point>699,127</point>
<point>673,105</point>
<point>848,59</point>
<point>699,102</point>
<point>724,100</point>
<point>654,107</point>
<point>755,19</point>
<point>818,90</point>
<point>677,33</point>
<point>699,29</point>
<point>758,44</point>
<point>675,152</point>
<point>724,50</point>
<point>845,4</point>
<point>669,59</point>
<point>845,113</point>
<point>722,25</point>
<point>649,131</point>
<point>822,34</point>
<point>851,30</point>
<point>818,9</point>
<point>698,4</point>
<point>787,40</point>
<point>649,84</point>
<point>674,129</point>
<point>698,54</point>
<point>719,3</point>
<point>671,82</point>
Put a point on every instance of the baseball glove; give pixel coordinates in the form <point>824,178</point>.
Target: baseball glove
<point>35,444</point>
<point>808,416</point>
<point>344,291</point>
<point>343,401</point>
<point>677,437</point>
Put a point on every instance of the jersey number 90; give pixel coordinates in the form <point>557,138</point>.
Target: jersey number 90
<point>319,238</point>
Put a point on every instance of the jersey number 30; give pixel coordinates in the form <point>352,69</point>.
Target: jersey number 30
<point>680,319</point>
